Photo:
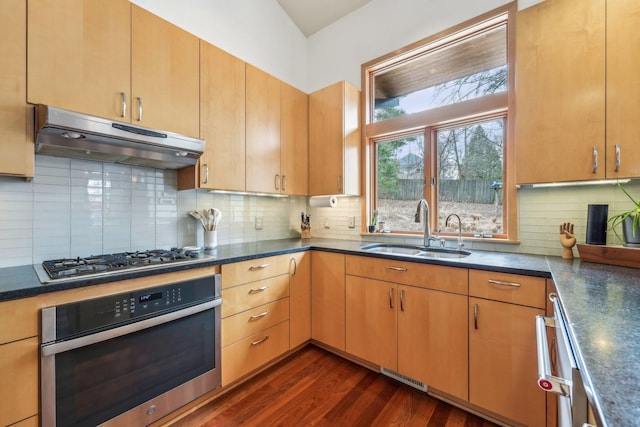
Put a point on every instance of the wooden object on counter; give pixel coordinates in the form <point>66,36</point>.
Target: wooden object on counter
<point>612,255</point>
<point>567,240</point>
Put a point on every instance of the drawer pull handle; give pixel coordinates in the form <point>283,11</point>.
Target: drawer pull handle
<point>388,267</point>
<point>390,297</point>
<point>402,300</point>
<point>497,282</point>
<point>256,290</point>
<point>258,267</point>
<point>260,341</point>
<point>258,316</point>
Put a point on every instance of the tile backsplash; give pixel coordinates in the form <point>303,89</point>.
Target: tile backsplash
<point>77,208</point>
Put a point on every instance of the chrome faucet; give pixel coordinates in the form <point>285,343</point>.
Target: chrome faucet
<point>427,233</point>
<point>446,224</point>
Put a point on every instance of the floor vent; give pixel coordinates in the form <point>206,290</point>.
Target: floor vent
<point>404,379</point>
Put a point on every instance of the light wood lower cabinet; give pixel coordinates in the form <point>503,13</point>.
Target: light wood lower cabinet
<point>300,298</point>
<point>502,346</point>
<point>19,372</point>
<point>256,311</point>
<point>254,351</point>
<point>19,361</point>
<point>328,298</point>
<point>418,332</point>
<point>432,334</point>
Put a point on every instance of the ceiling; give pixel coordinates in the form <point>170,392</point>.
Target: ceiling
<point>313,15</point>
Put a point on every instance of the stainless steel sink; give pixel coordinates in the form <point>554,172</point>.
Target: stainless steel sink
<point>415,251</point>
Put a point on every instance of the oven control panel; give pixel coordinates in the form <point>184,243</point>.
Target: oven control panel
<point>79,318</point>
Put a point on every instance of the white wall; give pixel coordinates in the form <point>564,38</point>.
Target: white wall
<point>256,31</point>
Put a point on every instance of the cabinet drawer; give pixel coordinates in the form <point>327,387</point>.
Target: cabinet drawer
<point>22,315</point>
<point>241,325</point>
<point>19,373</point>
<point>448,279</point>
<point>251,295</point>
<point>511,288</point>
<point>256,269</point>
<point>254,351</point>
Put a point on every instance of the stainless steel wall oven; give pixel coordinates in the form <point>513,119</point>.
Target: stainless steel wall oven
<point>130,358</point>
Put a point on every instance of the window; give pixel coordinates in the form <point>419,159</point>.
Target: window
<point>437,127</point>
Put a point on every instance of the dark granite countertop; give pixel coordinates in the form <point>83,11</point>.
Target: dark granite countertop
<point>602,304</point>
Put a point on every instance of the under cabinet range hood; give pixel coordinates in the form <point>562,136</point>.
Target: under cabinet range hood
<point>64,133</point>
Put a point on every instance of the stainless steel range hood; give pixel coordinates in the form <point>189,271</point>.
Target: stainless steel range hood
<point>66,133</point>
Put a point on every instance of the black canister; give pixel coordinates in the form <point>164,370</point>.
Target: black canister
<point>597,224</point>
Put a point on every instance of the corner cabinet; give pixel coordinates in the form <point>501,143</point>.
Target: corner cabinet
<point>410,318</point>
<point>502,345</point>
<point>334,140</point>
<point>576,91</point>
<point>294,141</point>
<point>136,68</point>
<point>300,298</point>
<point>15,115</point>
<point>328,299</point>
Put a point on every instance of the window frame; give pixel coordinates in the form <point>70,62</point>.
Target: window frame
<point>476,109</point>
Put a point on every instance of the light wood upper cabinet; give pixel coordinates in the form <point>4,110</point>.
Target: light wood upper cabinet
<point>79,55</point>
<point>294,119</point>
<point>560,91</point>
<point>165,64</point>
<point>262,131</point>
<point>334,140</point>
<point>222,120</point>
<point>623,88</point>
<point>115,60</point>
<point>16,144</point>
<point>328,298</point>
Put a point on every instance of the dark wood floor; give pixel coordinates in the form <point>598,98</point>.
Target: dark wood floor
<point>318,388</point>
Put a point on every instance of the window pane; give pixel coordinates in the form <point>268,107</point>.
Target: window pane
<point>470,173</point>
<point>399,181</point>
<point>467,69</point>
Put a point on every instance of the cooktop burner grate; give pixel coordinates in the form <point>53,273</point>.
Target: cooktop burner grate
<point>74,267</point>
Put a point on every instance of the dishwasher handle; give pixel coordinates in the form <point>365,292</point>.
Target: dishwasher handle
<point>546,381</point>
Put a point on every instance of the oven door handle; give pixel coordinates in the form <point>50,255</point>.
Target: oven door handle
<point>62,346</point>
<point>546,381</point>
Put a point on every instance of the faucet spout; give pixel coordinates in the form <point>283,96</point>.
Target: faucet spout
<point>422,204</point>
<point>446,224</point>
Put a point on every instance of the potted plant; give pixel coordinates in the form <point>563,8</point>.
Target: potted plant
<point>629,220</point>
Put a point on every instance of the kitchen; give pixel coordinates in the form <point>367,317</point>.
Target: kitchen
<point>78,223</point>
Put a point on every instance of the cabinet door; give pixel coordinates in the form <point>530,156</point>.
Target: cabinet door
<point>371,320</point>
<point>503,361</point>
<point>19,372</point>
<point>293,140</point>
<point>328,299</point>
<point>79,55</point>
<point>623,88</point>
<point>165,68</point>
<point>300,298</point>
<point>326,140</point>
<point>17,149</point>
<point>222,119</point>
<point>560,91</point>
<point>263,131</point>
<point>433,339</point>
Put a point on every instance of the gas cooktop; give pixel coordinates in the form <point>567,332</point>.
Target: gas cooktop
<point>71,268</point>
